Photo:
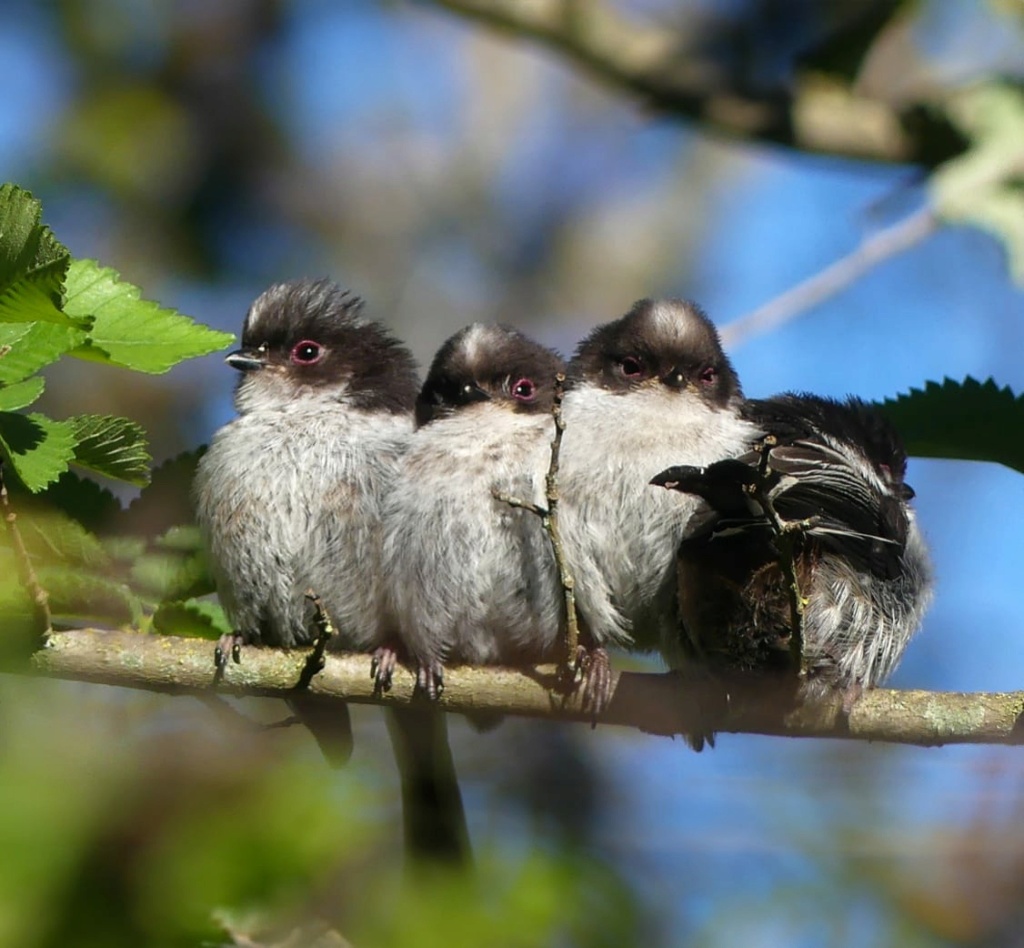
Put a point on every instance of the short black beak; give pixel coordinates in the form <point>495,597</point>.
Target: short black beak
<point>674,379</point>
<point>474,393</point>
<point>246,360</point>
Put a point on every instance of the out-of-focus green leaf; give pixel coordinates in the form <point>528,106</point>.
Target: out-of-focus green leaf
<point>167,501</point>
<point>129,331</point>
<point>20,394</point>
<point>37,447</point>
<point>982,187</point>
<point>114,447</point>
<point>974,420</point>
<point>184,539</point>
<point>34,345</point>
<point>53,537</point>
<point>82,596</point>
<point>172,575</point>
<point>194,618</point>
<point>82,499</point>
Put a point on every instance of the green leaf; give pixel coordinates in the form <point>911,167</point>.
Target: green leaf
<point>194,618</point>
<point>129,331</point>
<point>83,596</point>
<point>161,575</point>
<point>978,421</point>
<point>37,447</point>
<point>26,245</point>
<point>82,499</point>
<point>13,397</point>
<point>51,537</point>
<point>167,501</point>
<point>31,299</point>
<point>33,263</point>
<point>34,345</point>
<point>113,447</point>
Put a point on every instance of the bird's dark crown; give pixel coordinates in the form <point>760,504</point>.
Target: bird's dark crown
<point>483,363</point>
<point>379,372</point>
<point>671,340</point>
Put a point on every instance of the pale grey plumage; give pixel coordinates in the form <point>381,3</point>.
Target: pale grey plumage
<point>289,494</point>
<point>473,580</point>
<point>620,533</point>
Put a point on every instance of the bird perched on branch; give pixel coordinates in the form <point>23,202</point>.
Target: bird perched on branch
<point>831,476</point>
<point>645,391</point>
<point>289,494</point>
<point>472,579</point>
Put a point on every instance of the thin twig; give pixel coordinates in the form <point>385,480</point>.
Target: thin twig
<point>875,249</point>
<point>549,519</point>
<point>324,632</point>
<point>565,577</point>
<point>786,532</point>
<point>27,574</point>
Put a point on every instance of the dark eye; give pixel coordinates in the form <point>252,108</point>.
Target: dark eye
<point>631,367</point>
<point>708,375</point>
<point>524,390</point>
<point>307,352</point>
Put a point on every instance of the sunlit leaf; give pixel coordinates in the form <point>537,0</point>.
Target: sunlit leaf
<point>21,394</point>
<point>34,345</point>
<point>129,331</point>
<point>37,447</point>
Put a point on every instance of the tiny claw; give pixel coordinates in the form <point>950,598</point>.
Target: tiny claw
<point>851,695</point>
<point>382,668</point>
<point>228,644</point>
<point>594,670</point>
<point>430,679</point>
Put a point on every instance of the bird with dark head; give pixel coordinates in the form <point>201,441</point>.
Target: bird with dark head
<point>645,389</point>
<point>472,580</point>
<point>289,494</point>
<point>860,560</point>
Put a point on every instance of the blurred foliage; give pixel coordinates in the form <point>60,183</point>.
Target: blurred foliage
<point>52,306</point>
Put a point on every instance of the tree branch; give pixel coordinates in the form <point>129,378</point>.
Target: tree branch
<point>669,68</point>
<point>655,703</point>
<point>893,240</point>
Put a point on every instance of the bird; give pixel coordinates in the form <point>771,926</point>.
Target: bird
<point>288,497</point>
<point>834,471</point>
<point>473,579</point>
<point>647,390</point>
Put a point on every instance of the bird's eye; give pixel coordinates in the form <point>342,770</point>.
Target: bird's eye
<point>631,367</point>
<point>307,352</point>
<point>524,390</point>
<point>708,375</point>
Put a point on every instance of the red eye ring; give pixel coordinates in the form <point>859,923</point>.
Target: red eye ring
<point>708,375</point>
<point>524,390</point>
<point>631,367</point>
<point>307,352</point>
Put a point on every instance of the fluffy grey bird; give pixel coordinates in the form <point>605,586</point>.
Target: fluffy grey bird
<point>861,562</point>
<point>472,580</point>
<point>647,390</point>
<point>289,494</point>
